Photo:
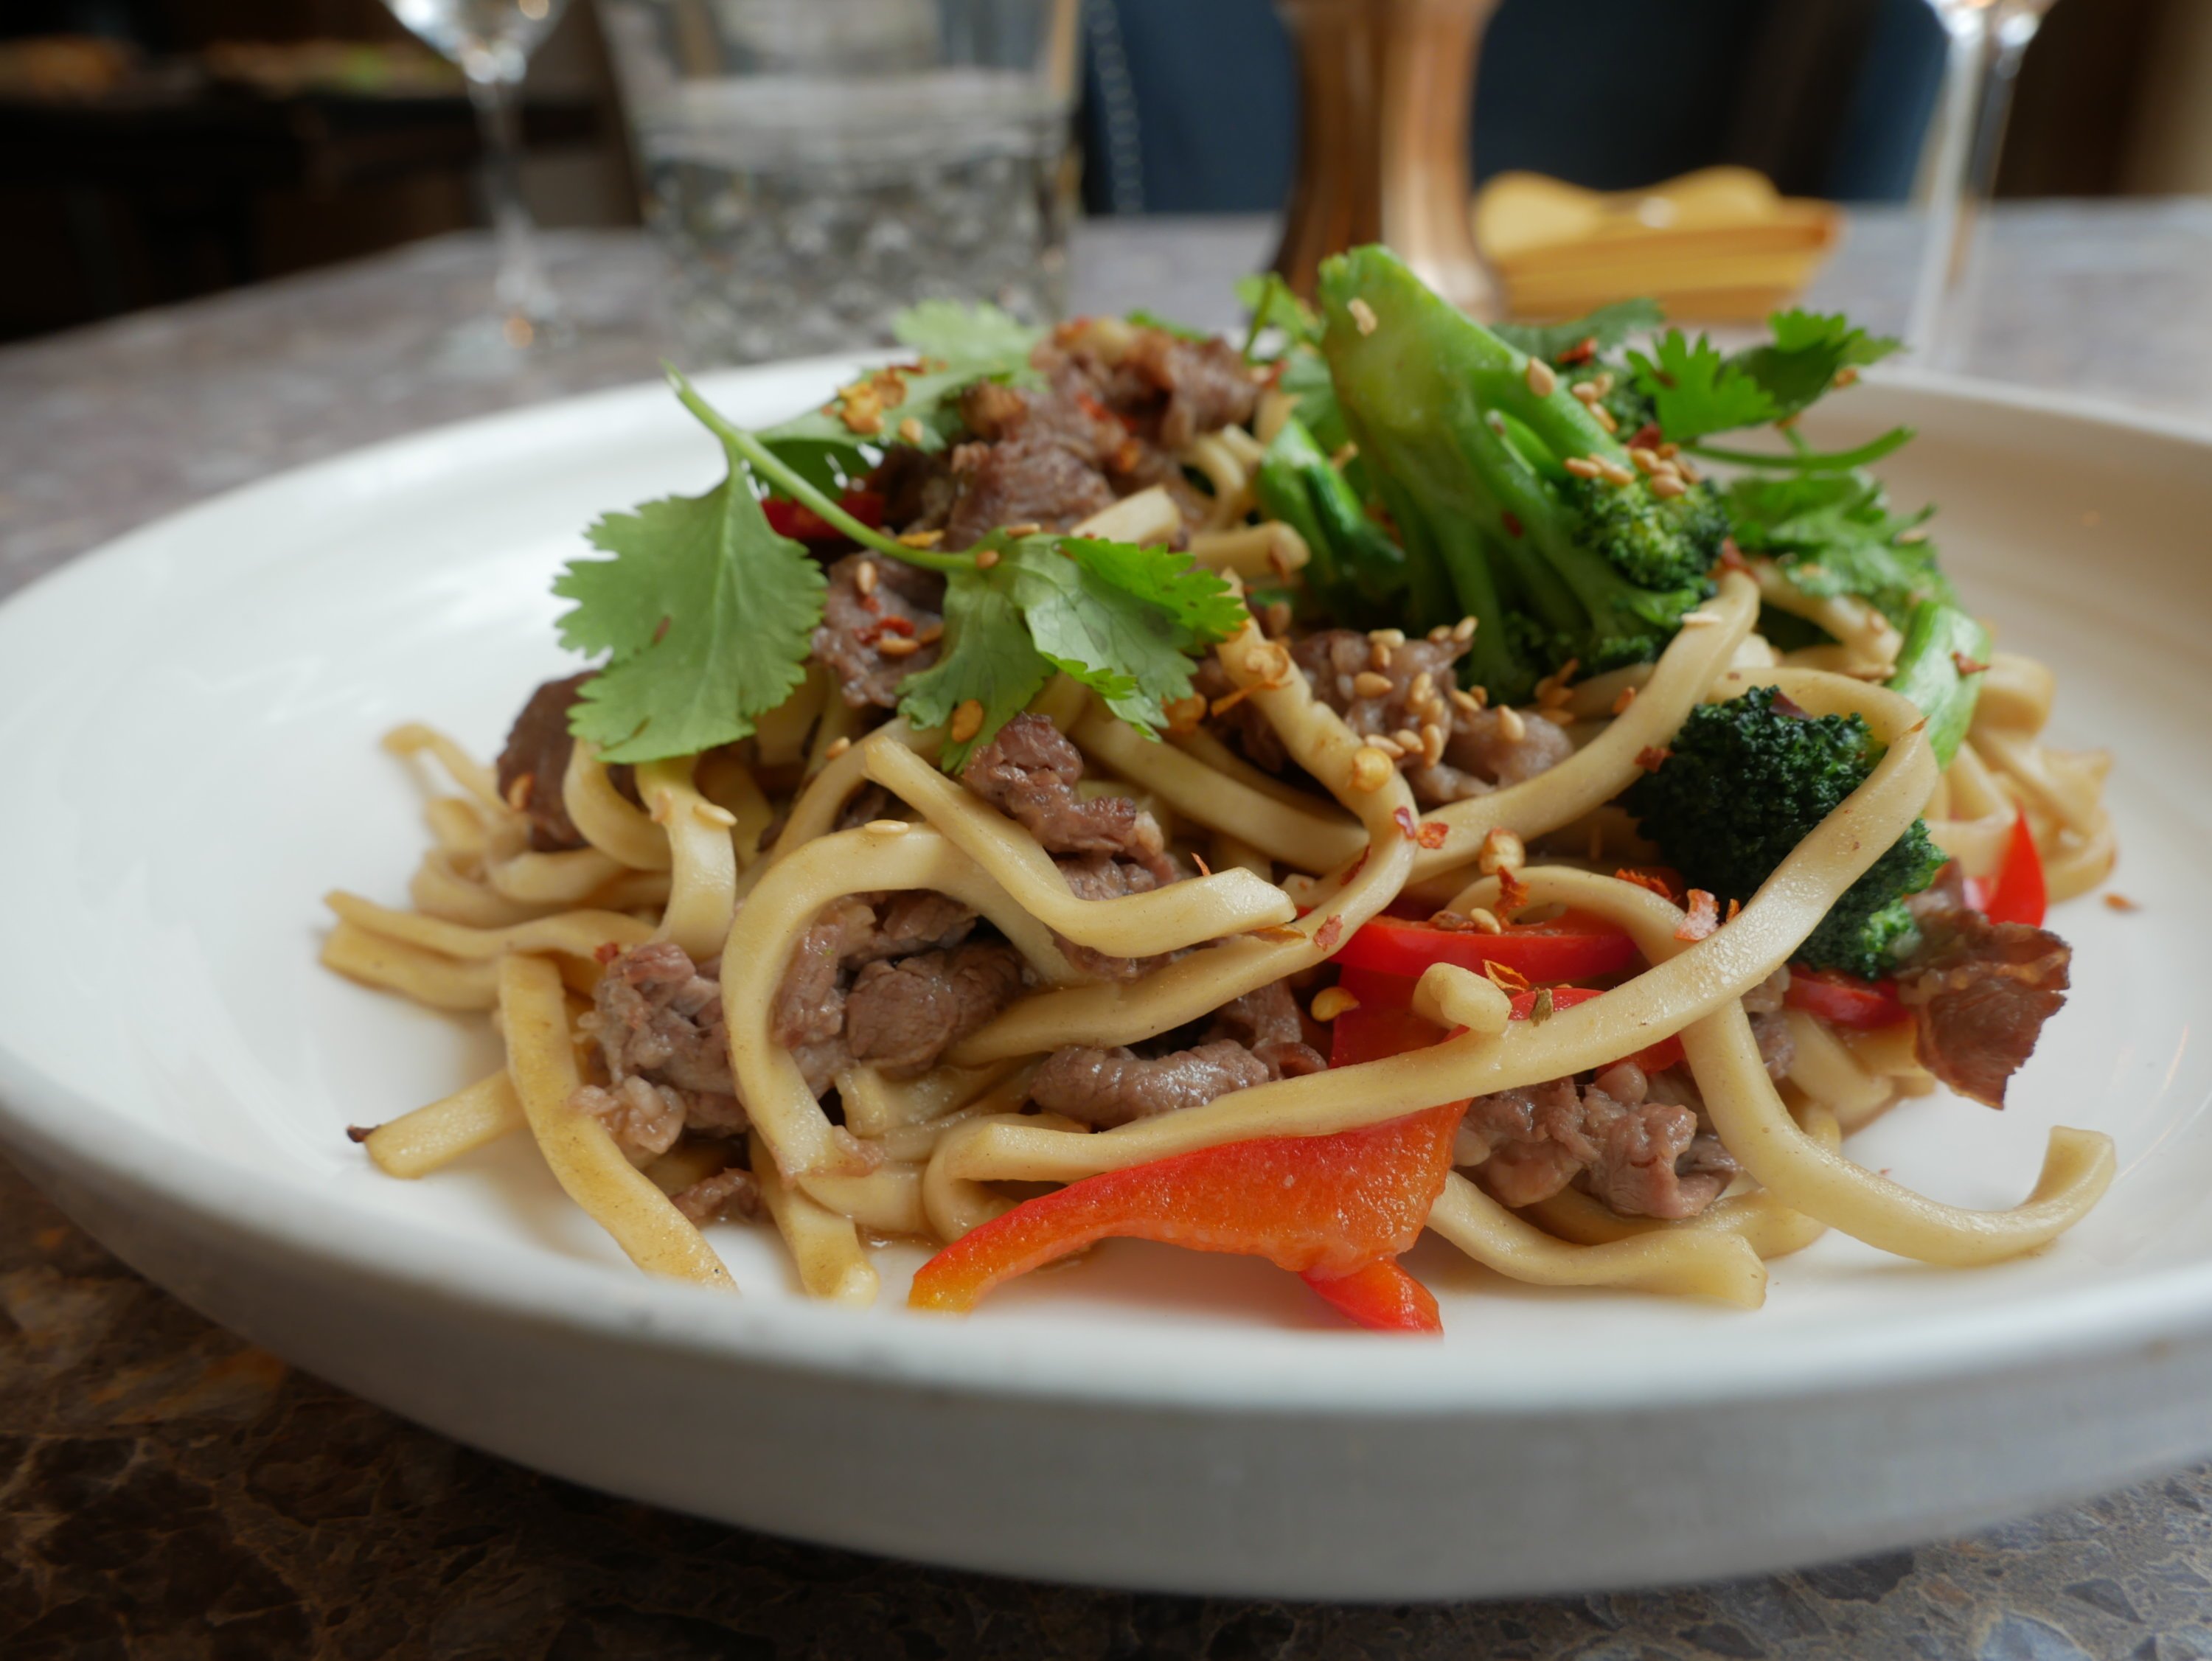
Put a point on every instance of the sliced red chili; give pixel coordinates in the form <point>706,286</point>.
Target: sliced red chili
<point>2019,895</point>
<point>1844,1000</point>
<point>802,524</point>
<point>1567,948</point>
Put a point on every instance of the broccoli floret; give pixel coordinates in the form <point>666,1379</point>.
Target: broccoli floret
<point>1471,460</point>
<point>1745,782</point>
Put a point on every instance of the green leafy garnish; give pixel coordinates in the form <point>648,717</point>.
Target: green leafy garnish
<point>1696,389</point>
<point>1145,320</point>
<point>706,614</point>
<point>957,345</point>
<point>1833,533</point>
<point>1272,305</point>
<point>1120,619</point>
<point>1603,329</point>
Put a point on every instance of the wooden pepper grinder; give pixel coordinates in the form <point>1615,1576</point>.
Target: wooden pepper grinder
<point>1386,88</point>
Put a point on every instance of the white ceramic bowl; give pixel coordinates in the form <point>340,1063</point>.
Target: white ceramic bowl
<point>190,721</point>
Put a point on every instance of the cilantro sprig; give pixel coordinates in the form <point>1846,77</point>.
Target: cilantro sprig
<point>706,615</point>
<point>1696,389</point>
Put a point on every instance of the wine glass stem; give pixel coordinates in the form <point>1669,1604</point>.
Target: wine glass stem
<point>1986,48</point>
<point>522,291</point>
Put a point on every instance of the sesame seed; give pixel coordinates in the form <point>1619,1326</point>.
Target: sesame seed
<point>1368,684</point>
<point>1689,472</point>
<point>910,430</point>
<point>887,828</point>
<point>1331,1002</point>
<point>864,576</point>
<point>1542,379</point>
<point>1614,473</point>
<point>1502,851</point>
<point>1605,418</point>
<point>922,538</point>
<point>2120,902</point>
<point>1846,375</point>
<point>1668,486</point>
<point>1647,461</point>
<point>985,559</point>
<point>1370,768</point>
<point>1586,391</point>
<point>1407,739</point>
<point>1363,315</point>
<point>897,645</point>
<point>1392,638</point>
<point>1432,743</point>
<point>967,720</point>
<point>1423,687</point>
<point>1486,921</point>
<point>1387,746</point>
<point>1466,701</point>
<point>1582,467</point>
<point>1027,528</point>
<point>1342,456</point>
<point>1463,630</point>
<point>929,634</point>
<point>837,747</point>
<point>1917,534</point>
<point>1510,726</point>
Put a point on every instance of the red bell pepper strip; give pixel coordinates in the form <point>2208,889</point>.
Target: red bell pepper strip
<point>1568,947</point>
<point>2019,895</point>
<point>1381,1297</point>
<point>802,524</point>
<point>1332,1206</point>
<point>1844,1000</point>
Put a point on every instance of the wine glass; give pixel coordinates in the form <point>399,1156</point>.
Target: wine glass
<point>491,41</point>
<point>1987,38</point>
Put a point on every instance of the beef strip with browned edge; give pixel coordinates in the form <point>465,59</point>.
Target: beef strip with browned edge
<point>534,764</point>
<point>657,1018</point>
<point>1978,991</point>
<point>873,601</point>
<point>1641,1156</point>
<point>1250,1040</point>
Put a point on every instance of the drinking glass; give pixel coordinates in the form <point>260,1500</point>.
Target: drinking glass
<point>1987,38</point>
<point>812,166</point>
<point>491,40</point>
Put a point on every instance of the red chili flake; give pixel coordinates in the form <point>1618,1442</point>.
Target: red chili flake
<point>1785,704</point>
<point>1357,866</point>
<point>660,630</point>
<point>1432,834</point>
<point>1512,893</point>
<point>1646,437</point>
<point>895,625</point>
<point>1652,882</point>
<point>1504,977</point>
<point>1580,352</point>
<point>1732,556</point>
<point>1652,757</point>
<point>1966,665</point>
<point>1097,411</point>
<point>1704,915</point>
<point>1512,522</point>
<point>605,952</point>
<point>1734,910</point>
<point>1403,818</point>
<point>1331,932</point>
<point>1198,860</point>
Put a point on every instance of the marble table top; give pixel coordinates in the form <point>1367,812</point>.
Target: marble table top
<point>166,1489</point>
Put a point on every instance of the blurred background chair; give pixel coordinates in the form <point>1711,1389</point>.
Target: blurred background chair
<point>154,149</point>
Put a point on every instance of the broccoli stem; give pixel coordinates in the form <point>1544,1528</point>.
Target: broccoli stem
<point>1938,641</point>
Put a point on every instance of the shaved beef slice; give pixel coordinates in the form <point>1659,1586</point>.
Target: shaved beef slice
<point>1022,480</point>
<point>1028,772</point>
<point>1206,383</point>
<point>902,1014</point>
<point>1106,1087</point>
<point>658,1019</point>
<point>728,1193</point>
<point>1251,1040</point>
<point>904,602</point>
<point>535,762</point>
<point>1642,1157</point>
<point>812,1014</point>
<point>1980,992</point>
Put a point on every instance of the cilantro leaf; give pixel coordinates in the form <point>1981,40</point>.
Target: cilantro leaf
<point>706,615</point>
<point>987,655</point>
<point>1607,327</point>
<point>1145,320</point>
<point>1832,533</point>
<point>1120,619</point>
<point>1694,390</point>
<point>959,345</point>
<point>963,335</point>
<point>1809,349</point>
